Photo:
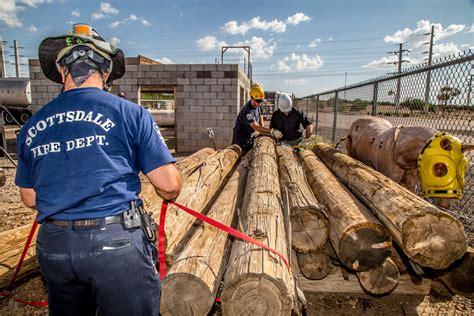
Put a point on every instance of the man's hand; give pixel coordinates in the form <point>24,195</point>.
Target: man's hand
<point>304,143</point>
<point>276,134</point>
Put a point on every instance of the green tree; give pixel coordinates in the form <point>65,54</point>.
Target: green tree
<point>447,93</point>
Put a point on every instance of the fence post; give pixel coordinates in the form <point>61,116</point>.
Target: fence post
<point>374,99</point>
<point>335,119</point>
<point>317,114</point>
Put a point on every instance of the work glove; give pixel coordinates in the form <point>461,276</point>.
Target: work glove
<point>276,134</point>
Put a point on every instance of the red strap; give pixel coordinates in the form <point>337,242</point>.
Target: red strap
<point>210,221</point>
<point>161,239</point>
<point>18,267</point>
<point>6,294</point>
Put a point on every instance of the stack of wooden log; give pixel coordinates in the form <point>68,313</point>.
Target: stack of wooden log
<point>332,217</point>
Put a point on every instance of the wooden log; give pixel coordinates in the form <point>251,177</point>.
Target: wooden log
<point>185,166</point>
<point>257,281</point>
<point>427,235</point>
<point>196,192</point>
<point>3,177</point>
<point>314,265</point>
<point>381,280</point>
<point>360,241</point>
<point>309,226</point>
<point>335,283</point>
<point>13,242</point>
<point>459,277</point>
<point>189,164</point>
<point>191,285</point>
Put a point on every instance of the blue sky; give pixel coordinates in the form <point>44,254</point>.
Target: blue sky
<point>301,47</point>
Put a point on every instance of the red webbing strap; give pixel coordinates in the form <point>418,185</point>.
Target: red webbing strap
<point>161,239</point>
<point>18,267</point>
<point>210,221</point>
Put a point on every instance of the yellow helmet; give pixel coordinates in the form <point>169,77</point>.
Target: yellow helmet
<point>257,92</point>
<point>441,167</point>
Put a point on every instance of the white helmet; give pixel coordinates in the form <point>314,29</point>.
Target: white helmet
<point>285,103</point>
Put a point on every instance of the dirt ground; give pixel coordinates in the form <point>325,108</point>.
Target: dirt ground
<point>14,214</point>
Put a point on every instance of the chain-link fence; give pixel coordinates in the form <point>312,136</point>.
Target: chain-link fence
<point>436,96</point>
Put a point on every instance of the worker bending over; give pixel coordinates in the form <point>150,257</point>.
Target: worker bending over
<point>288,120</point>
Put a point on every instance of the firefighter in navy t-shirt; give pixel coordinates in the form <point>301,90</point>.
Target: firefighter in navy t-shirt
<point>288,120</point>
<point>79,159</point>
<point>249,120</point>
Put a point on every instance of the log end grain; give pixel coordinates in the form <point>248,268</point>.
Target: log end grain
<point>314,265</point>
<point>309,230</point>
<point>185,294</point>
<point>364,246</point>
<point>256,295</point>
<point>381,280</point>
<point>433,239</point>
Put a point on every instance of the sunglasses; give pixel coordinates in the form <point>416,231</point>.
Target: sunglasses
<point>258,101</point>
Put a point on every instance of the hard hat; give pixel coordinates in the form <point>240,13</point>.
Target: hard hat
<point>53,49</point>
<point>441,167</point>
<point>257,93</point>
<point>285,103</point>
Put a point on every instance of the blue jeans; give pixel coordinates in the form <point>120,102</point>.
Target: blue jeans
<point>108,267</point>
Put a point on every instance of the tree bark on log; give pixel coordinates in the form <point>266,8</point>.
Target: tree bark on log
<point>12,242</point>
<point>381,280</point>
<point>309,226</point>
<point>196,192</point>
<point>185,166</point>
<point>257,282</point>
<point>360,241</point>
<point>3,177</point>
<point>191,285</point>
<point>427,235</point>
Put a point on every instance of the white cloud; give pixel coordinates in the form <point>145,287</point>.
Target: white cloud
<point>32,29</point>
<point>471,29</point>
<point>442,50</point>
<point>383,63</point>
<point>296,82</point>
<point>133,17</point>
<point>209,43</point>
<point>76,13</point>
<point>315,42</point>
<point>165,60</point>
<point>105,7</point>
<point>297,18</point>
<point>295,62</point>
<point>145,22</point>
<point>70,22</point>
<point>259,47</point>
<point>97,16</point>
<point>330,39</point>
<point>417,35</point>
<point>114,41</point>
<point>233,27</point>
<point>104,11</point>
<point>114,24</point>
<point>34,3</point>
<point>9,10</point>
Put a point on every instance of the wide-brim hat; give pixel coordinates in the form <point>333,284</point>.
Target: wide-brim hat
<point>50,47</point>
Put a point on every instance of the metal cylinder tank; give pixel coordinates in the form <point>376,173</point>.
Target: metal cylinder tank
<point>15,91</point>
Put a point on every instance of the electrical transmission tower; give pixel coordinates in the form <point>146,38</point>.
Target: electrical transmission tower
<point>428,74</point>
<point>399,70</point>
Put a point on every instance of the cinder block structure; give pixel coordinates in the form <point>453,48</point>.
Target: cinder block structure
<point>201,95</point>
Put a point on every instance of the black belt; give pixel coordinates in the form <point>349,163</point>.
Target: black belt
<point>116,219</point>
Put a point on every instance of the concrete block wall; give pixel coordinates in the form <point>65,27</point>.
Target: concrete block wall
<point>206,95</point>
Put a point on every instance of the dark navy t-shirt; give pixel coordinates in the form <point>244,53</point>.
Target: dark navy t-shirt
<point>242,129</point>
<point>83,151</point>
<point>289,125</point>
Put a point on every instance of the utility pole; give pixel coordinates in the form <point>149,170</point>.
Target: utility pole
<point>399,71</point>
<point>2,60</point>
<point>17,59</point>
<point>345,83</point>
<point>428,74</point>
